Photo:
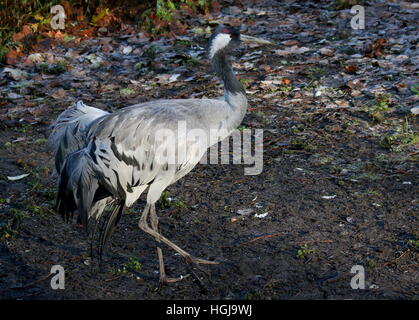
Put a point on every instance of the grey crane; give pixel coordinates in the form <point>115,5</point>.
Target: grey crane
<point>111,158</point>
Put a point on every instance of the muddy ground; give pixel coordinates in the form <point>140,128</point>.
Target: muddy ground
<point>338,182</point>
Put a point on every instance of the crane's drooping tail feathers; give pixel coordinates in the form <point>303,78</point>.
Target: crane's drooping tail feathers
<point>69,132</point>
<point>111,219</point>
<point>77,186</point>
<point>79,190</point>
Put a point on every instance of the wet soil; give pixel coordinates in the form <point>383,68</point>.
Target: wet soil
<point>335,195</point>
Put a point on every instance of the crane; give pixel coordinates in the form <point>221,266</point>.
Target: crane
<point>109,159</point>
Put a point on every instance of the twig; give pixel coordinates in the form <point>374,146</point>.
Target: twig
<point>255,239</point>
<point>112,279</point>
<point>397,259</point>
<point>314,241</point>
<point>32,283</point>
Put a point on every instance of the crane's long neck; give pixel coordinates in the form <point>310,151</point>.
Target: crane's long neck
<point>234,93</point>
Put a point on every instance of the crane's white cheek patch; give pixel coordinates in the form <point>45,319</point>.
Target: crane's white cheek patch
<point>219,42</point>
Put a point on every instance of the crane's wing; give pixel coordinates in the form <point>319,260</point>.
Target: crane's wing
<point>141,144</point>
<point>70,130</point>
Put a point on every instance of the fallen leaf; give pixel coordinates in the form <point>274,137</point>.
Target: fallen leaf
<point>292,50</point>
<point>174,77</point>
<point>127,50</point>
<point>15,178</point>
<point>244,212</point>
<point>12,56</point>
<point>375,50</point>
<point>351,69</point>
<point>415,110</point>
<point>18,37</point>
<point>59,94</point>
<point>16,74</point>
<point>14,96</point>
<point>290,42</point>
<point>262,215</point>
<point>408,5</point>
<point>330,52</point>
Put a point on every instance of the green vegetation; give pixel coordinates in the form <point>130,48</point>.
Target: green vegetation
<point>303,144</point>
<point>10,228</point>
<point>415,89</point>
<point>54,68</point>
<point>245,82</point>
<point>414,243</point>
<point>377,109</point>
<point>162,15</point>
<point>314,73</point>
<point>371,264</point>
<point>304,251</point>
<point>183,42</point>
<point>285,88</point>
<point>25,128</point>
<point>35,209</point>
<point>164,199</point>
<point>133,264</point>
<point>179,205</point>
<point>166,202</point>
<point>403,137</point>
<point>127,92</point>
<point>156,17</point>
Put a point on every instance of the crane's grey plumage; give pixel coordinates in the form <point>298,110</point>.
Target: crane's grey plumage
<point>105,158</point>
<point>70,130</point>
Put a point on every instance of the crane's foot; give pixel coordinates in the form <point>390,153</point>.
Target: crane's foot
<point>166,280</point>
<point>172,280</point>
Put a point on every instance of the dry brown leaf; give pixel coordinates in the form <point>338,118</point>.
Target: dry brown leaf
<point>329,52</point>
<point>290,42</point>
<point>375,50</point>
<point>18,37</point>
<point>351,69</point>
<point>12,56</point>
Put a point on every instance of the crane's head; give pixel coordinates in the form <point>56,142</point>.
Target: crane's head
<point>225,38</point>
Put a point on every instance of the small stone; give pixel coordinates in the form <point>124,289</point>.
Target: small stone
<point>13,96</point>
<point>127,50</point>
<point>245,212</point>
<point>415,110</point>
<point>327,52</point>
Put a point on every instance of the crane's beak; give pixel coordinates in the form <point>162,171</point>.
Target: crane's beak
<point>250,39</point>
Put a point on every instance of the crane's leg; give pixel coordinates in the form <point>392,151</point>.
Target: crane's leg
<point>154,224</point>
<point>144,226</point>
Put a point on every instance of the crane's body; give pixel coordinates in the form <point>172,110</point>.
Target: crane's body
<point>104,158</point>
